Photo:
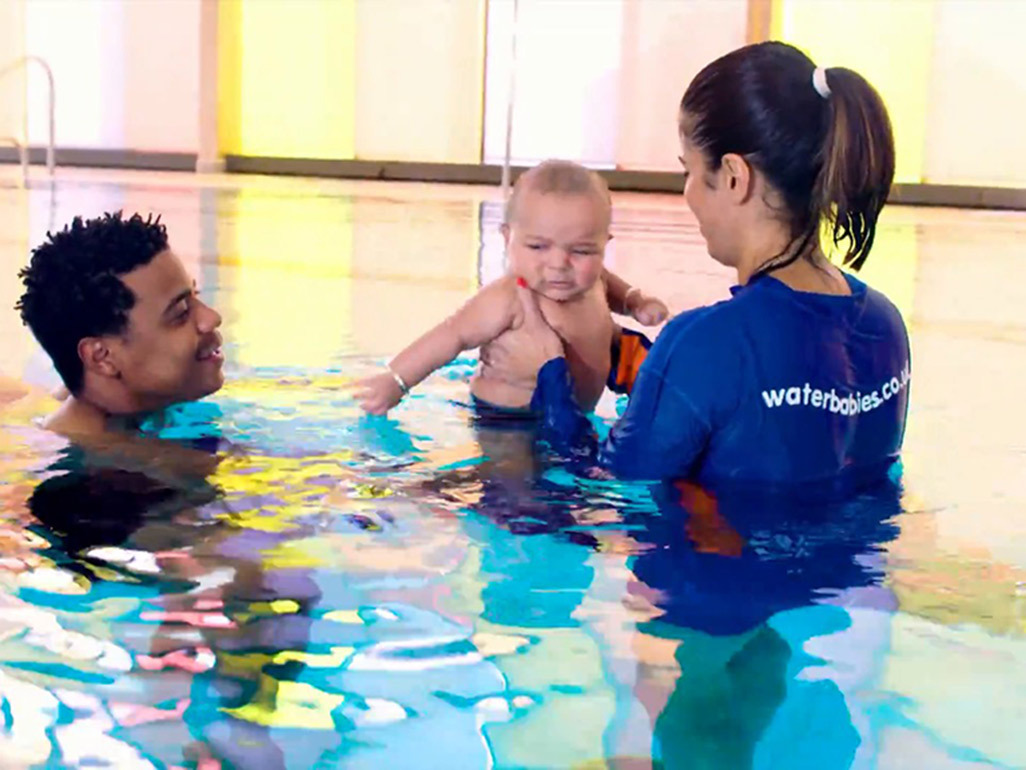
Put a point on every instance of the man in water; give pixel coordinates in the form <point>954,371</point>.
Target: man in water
<point>119,316</point>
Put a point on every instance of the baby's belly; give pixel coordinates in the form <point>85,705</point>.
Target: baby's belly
<point>588,386</point>
<point>487,387</point>
<point>588,363</point>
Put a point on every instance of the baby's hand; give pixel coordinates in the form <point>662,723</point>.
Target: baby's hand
<point>649,311</point>
<point>378,394</point>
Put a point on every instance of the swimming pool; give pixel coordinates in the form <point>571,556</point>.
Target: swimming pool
<point>342,591</point>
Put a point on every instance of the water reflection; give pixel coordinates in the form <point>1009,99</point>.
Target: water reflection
<point>717,570</point>
<point>706,576</point>
<point>293,605</point>
<point>326,590</point>
<point>80,637</point>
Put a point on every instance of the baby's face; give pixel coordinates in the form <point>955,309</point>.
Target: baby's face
<point>557,242</point>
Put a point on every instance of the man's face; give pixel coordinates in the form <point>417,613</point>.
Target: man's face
<point>170,350</point>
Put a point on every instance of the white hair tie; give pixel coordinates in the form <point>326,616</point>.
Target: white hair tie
<point>819,82</point>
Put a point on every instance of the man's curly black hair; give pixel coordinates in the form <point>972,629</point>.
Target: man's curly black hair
<point>72,284</point>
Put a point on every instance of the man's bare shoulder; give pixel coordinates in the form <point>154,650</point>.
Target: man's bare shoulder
<point>89,428</point>
<point>76,419</point>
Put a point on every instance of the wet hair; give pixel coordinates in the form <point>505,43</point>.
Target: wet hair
<point>830,158</point>
<point>560,177</point>
<point>73,288</point>
<point>98,507</point>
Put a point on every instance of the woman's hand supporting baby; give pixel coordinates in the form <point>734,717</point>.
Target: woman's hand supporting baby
<point>544,344</point>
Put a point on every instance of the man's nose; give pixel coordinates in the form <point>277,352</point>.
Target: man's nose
<point>207,319</point>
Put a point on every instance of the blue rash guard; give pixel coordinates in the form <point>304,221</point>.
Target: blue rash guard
<point>772,386</point>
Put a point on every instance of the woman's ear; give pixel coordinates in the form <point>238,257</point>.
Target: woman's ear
<point>738,177</point>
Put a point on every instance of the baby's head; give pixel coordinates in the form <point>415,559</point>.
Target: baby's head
<point>557,227</point>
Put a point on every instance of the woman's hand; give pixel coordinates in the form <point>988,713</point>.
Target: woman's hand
<point>538,343</point>
<point>548,344</point>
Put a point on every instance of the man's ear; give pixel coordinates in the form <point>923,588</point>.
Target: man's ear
<point>95,354</point>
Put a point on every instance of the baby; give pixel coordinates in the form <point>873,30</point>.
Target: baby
<point>556,230</point>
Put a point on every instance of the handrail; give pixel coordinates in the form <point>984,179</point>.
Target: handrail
<point>24,61</point>
<point>510,100</point>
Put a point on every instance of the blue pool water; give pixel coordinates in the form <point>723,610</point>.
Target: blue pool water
<point>324,589</point>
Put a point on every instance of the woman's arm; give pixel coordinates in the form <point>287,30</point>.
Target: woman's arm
<point>661,433</point>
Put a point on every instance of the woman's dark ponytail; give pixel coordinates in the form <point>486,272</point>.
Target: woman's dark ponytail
<point>858,164</point>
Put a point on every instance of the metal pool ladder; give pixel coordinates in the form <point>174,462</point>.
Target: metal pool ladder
<point>19,131</point>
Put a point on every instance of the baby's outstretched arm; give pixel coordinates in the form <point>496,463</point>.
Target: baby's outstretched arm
<point>628,300</point>
<point>482,318</point>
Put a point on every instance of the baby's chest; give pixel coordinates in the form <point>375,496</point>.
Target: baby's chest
<point>587,334</point>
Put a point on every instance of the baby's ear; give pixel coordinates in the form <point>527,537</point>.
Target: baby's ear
<point>504,229</point>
